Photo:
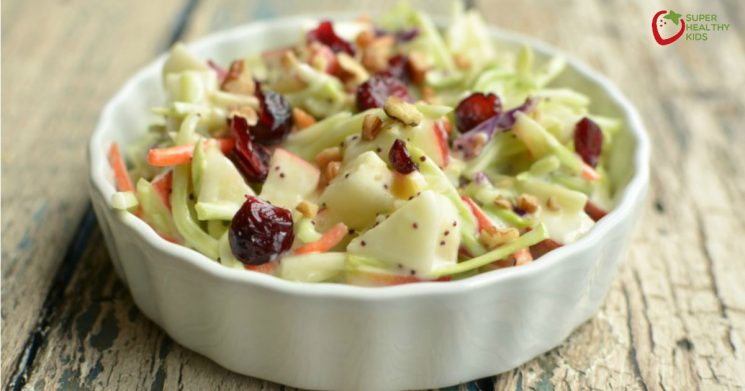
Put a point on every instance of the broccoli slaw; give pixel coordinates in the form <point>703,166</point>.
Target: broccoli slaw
<point>370,153</point>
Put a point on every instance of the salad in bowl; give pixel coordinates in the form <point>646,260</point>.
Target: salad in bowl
<point>370,153</point>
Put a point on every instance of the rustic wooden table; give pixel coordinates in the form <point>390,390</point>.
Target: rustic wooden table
<point>674,318</point>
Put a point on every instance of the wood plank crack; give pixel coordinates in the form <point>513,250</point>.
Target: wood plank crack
<point>53,298</point>
<point>72,257</point>
<point>702,236</point>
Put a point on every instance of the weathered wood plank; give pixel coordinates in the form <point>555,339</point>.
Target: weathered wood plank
<point>61,61</point>
<point>674,318</point>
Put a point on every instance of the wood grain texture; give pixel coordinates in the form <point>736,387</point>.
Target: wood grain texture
<point>61,61</point>
<point>673,319</point>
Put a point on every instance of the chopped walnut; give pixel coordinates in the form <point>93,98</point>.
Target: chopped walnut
<point>552,204</point>
<point>428,95</point>
<point>352,71</point>
<point>301,118</point>
<point>461,61</point>
<point>307,209</point>
<point>328,155</point>
<point>418,66</point>
<point>527,203</point>
<point>365,38</point>
<point>478,141</point>
<point>403,111</point>
<point>502,203</point>
<point>493,237</point>
<point>371,127</point>
<point>238,80</point>
<point>288,59</point>
<point>375,55</point>
<point>332,170</point>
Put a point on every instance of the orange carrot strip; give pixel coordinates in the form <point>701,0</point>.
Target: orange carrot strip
<point>180,154</point>
<point>589,173</point>
<point>266,268</point>
<point>121,175</point>
<point>331,238</point>
<point>162,185</point>
<point>481,218</point>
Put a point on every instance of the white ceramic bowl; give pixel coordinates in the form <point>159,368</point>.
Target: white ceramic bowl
<point>331,336</point>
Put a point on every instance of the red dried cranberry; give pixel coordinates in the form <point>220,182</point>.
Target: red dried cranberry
<point>400,158</point>
<point>588,141</point>
<point>398,67</point>
<point>275,118</point>
<point>475,109</point>
<point>252,159</point>
<point>260,232</point>
<point>326,35</point>
<point>376,90</point>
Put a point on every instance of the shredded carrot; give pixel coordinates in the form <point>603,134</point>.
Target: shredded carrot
<point>589,173</point>
<point>266,268</point>
<point>180,154</point>
<point>302,119</point>
<point>123,181</point>
<point>162,185</point>
<point>522,256</point>
<point>331,238</point>
<point>483,221</point>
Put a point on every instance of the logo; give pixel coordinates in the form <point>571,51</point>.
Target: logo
<point>659,24</point>
<point>668,26</point>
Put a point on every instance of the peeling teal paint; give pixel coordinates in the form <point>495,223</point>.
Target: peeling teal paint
<point>105,337</point>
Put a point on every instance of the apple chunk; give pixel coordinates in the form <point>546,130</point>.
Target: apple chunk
<point>290,181</point>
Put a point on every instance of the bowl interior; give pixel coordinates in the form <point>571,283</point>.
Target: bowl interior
<point>127,116</point>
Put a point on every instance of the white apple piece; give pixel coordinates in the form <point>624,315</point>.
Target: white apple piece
<point>422,235</point>
<point>291,180</point>
<point>222,189</point>
<point>360,191</point>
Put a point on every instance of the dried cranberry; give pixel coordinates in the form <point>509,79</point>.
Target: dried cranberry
<point>376,90</point>
<point>398,67</point>
<point>252,159</point>
<point>275,118</point>
<point>475,109</point>
<point>326,35</point>
<point>588,141</point>
<point>260,231</point>
<point>400,158</point>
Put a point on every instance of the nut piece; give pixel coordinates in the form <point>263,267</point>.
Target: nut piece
<point>302,119</point>
<point>375,54</point>
<point>418,67</point>
<point>527,203</point>
<point>364,39</point>
<point>247,112</point>
<point>328,155</point>
<point>493,237</point>
<point>352,71</point>
<point>238,79</point>
<point>405,112</point>
<point>502,203</point>
<point>429,95</point>
<point>552,204</point>
<point>307,209</point>
<point>332,170</point>
<point>477,142</point>
<point>371,127</point>
<point>461,61</point>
